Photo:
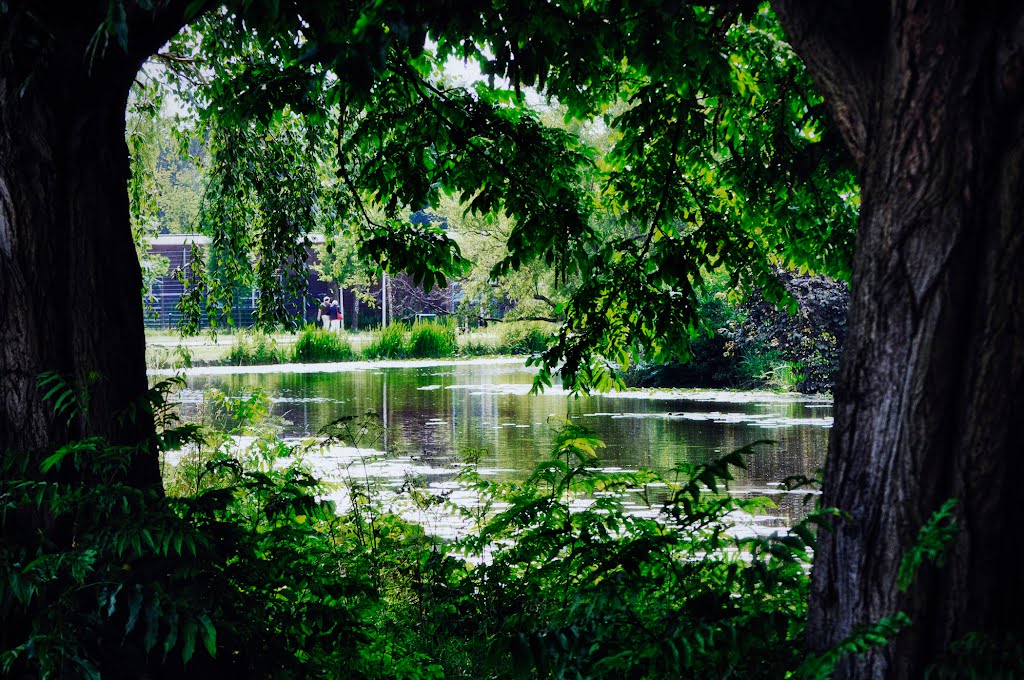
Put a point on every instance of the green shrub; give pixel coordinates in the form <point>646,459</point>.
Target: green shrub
<point>523,337</point>
<point>388,344</point>
<point>316,345</point>
<point>255,349</point>
<point>433,340</point>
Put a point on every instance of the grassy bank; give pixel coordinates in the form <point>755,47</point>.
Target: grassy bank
<point>426,340</point>
<point>714,366</point>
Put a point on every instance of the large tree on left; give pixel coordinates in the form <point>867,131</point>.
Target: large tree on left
<point>68,270</point>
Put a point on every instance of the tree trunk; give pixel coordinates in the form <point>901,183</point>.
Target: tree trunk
<point>70,280</point>
<point>930,399</point>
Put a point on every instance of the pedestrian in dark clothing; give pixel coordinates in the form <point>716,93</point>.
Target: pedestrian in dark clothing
<point>332,314</point>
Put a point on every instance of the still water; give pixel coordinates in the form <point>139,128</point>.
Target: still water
<point>434,412</point>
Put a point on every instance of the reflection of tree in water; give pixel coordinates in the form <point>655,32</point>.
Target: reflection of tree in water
<point>434,414</point>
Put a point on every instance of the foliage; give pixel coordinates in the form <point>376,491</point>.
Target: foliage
<point>532,290</point>
<point>981,656</point>
<point>585,588</point>
<point>433,339</point>
<point>279,595</point>
<point>680,174</point>
<point>248,569</point>
<point>167,180</point>
<point>930,546</point>
<point>711,363</point>
<point>821,666</point>
<point>110,570</point>
<point>725,165</point>
<point>337,260</point>
<point>748,342</point>
<point>253,348</point>
<point>715,360</point>
<point>237,578</point>
<point>317,345</point>
<point>388,343</point>
<point>760,367</point>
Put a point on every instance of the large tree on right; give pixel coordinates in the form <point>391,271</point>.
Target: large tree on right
<point>929,98</point>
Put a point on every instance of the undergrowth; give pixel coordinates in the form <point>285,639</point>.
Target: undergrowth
<point>250,566</point>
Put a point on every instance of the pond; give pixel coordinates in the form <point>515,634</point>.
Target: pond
<point>436,411</point>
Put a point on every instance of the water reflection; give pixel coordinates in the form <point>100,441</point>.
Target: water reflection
<point>435,412</point>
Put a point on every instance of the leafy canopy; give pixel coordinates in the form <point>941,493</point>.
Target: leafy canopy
<point>337,117</point>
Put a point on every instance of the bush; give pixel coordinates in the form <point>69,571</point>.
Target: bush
<point>433,340</point>
<point>255,349</point>
<point>388,344</point>
<point>523,337</point>
<point>316,345</point>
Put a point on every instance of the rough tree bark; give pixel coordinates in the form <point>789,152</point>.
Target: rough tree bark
<point>68,269</point>
<point>930,400</point>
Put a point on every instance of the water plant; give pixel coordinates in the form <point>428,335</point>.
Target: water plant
<point>253,348</point>
<point>388,343</point>
<point>523,337</point>
<point>316,345</point>
<point>433,340</point>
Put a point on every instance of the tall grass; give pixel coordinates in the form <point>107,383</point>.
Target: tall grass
<point>316,345</point>
<point>523,337</point>
<point>158,356</point>
<point>769,369</point>
<point>475,346</point>
<point>388,344</point>
<point>509,338</point>
<point>433,340</point>
<point>255,349</point>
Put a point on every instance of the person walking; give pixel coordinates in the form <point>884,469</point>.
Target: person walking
<point>332,312</point>
<point>324,312</point>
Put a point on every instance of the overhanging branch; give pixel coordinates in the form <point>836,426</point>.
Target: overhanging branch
<point>843,44</point>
